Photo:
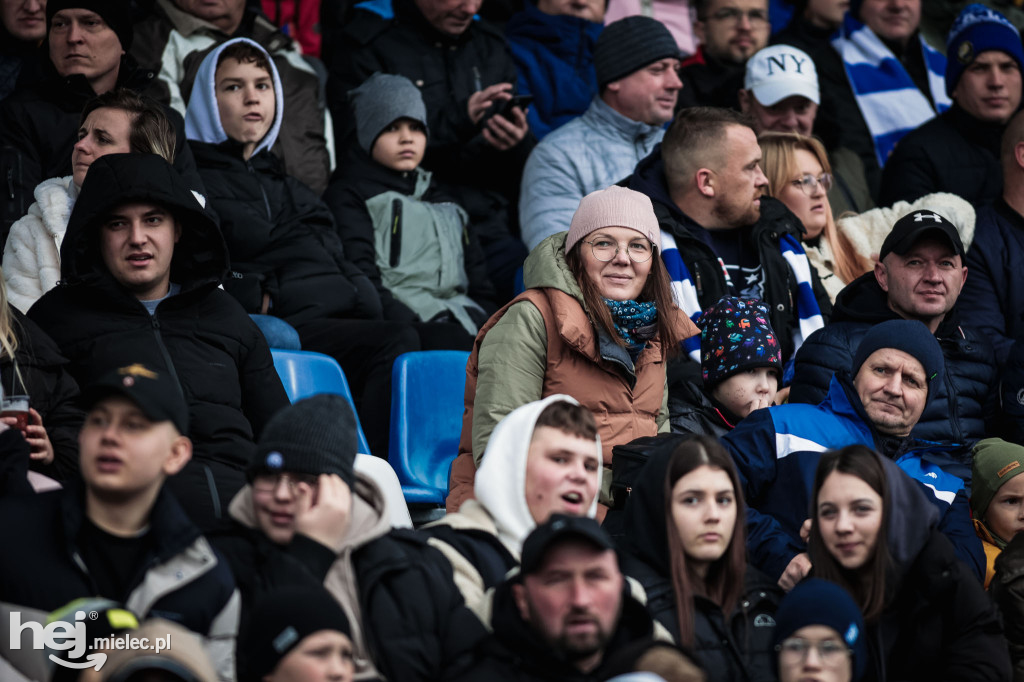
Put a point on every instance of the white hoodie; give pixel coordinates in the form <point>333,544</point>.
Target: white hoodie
<point>500,507</point>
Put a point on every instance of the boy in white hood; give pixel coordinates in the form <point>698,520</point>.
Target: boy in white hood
<point>543,458</point>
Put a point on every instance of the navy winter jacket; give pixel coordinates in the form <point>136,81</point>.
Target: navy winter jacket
<point>777,449</point>
<point>554,55</point>
<point>992,301</point>
<point>955,413</point>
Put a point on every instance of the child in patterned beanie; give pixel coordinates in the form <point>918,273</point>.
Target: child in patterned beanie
<point>741,360</point>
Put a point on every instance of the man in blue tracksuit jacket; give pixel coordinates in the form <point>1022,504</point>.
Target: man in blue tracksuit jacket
<point>776,450</point>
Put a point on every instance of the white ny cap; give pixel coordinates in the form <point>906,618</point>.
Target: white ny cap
<point>781,71</point>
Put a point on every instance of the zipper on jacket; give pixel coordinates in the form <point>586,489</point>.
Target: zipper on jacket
<point>10,184</point>
<point>697,282</point>
<point>165,354</point>
<point>266,201</point>
<point>396,232</point>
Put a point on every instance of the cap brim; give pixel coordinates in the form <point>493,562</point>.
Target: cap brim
<point>910,238</point>
<point>94,394</point>
<point>773,92</point>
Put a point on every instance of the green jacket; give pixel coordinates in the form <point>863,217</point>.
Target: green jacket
<point>420,254</point>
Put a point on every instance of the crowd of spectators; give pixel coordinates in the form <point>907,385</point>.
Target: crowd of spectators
<point>744,396</point>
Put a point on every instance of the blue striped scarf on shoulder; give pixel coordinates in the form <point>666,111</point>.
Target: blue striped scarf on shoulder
<point>685,293</point>
<point>889,101</point>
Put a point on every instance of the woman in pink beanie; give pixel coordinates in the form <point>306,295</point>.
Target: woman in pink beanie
<point>597,322</point>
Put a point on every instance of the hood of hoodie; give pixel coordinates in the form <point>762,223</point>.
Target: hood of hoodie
<point>500,484</point>
<point>202,118</point>
<point>911,517</point>
<point>200,255</point>
<point>546,268</point>
<point>645,528</point>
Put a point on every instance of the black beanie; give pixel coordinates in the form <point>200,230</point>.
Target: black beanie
<point>116,13</point>
<point>280,620</point>
<point>314,436</point>
<point>630,44</point>
<point>910,336</point>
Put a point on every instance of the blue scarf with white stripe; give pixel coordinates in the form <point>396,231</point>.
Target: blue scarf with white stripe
<point>891,104</point>
<point>685,293</point>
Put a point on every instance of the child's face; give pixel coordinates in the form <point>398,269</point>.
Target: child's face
<point>400,147</point>
<point>245,99</point>
<point>747,391</point>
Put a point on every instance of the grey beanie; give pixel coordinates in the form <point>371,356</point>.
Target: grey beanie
<point>314,436</point>
<point>381,100</point>
<point>630,44</point>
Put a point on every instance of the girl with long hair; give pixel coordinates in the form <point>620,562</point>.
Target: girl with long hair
<point>685,542</point>
<point>874,533</point>
<point>799,175</point>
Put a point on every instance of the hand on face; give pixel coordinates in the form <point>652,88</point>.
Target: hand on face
<point>322,514</point>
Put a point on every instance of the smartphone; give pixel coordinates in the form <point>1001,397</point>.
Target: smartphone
<point>505,108</point>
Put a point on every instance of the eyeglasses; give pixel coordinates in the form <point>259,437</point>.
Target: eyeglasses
<point>808,183</point>
<point>830,652</point>
<point>732,15</point>
<point>266,483</point>
<point>640,251</point>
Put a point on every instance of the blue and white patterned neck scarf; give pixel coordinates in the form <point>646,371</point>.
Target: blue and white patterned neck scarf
<point>631,318</point>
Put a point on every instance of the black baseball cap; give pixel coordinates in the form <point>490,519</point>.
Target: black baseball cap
<point>556,529</point>
<point>155,392</point>
<point>915,225</point>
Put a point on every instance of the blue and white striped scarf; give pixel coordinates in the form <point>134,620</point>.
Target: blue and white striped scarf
<point>891,104</point>
<point>685,293</point>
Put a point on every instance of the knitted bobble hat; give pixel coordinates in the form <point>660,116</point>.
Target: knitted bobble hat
<point>736,336</point>
<point>314,436</point>
<point>614,207</point>
<point>979,29</point>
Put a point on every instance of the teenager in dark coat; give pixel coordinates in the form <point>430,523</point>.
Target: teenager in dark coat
<point>196,332</point>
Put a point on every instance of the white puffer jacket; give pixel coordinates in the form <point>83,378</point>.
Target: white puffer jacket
<point>32,255</point>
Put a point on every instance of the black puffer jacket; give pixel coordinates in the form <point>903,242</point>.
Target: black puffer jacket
<point>361,179</point>
<point>957,411</point>
<point>282,240</point>
<point>690,410</point>
<point>39,128</point>
<point>953,152</point>
<point>51,390</point>
<point>201,335</point>
<point>447,70</point>
<point>1007,589</point>
<point>780,285</point>
<point>735,646</point>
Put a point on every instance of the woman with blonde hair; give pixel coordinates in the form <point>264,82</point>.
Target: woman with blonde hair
<point>118,121</point>
<point>31,365</point>
<point>799,175</point>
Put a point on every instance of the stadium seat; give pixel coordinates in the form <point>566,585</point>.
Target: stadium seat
<point>306,374</point>
<point>427,392</point>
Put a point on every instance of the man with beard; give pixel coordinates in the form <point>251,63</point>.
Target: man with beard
<point>567,613</point>
<point>719,235</point>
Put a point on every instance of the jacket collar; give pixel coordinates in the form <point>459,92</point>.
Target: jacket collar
<point>516,640</point>
<point>605,117</point>
<point>170,528</point>
<point>864,301</point>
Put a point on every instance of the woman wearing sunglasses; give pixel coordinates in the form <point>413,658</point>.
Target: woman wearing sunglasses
<point>799,175</point>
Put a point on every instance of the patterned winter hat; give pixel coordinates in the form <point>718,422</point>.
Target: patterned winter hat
<point>736,336</point>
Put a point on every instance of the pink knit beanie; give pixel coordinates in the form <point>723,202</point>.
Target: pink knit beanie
<point>614,207</point>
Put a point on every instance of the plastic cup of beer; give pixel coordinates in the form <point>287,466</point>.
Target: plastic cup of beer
<point>16,406</point>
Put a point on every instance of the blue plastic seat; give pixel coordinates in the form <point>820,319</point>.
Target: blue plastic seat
<point>306,374</point>
<point>427,393</point>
